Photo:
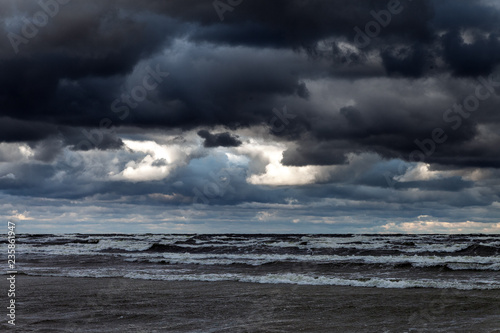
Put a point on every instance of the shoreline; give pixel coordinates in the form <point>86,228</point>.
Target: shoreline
<point>75,304</point>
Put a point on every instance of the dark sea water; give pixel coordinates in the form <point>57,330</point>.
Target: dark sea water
<point>466,262</point>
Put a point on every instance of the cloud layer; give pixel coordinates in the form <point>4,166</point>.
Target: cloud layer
<point>290,116</point>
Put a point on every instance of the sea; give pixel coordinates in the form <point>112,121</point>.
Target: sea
<point>466,262</point>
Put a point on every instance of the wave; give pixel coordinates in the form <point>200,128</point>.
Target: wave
<point>283,278</point>
<point>67,241</point>
<point>322,261</point>
<point>376,245</point>
<point>479,250</point>
<point>302,279</point>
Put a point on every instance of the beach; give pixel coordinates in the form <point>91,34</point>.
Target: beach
<point>62,304</point>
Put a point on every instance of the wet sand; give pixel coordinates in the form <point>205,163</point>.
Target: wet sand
<point>55,304</point>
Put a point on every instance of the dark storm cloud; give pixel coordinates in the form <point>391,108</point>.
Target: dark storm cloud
<point>315,153</point>
<point>14,130</point>
<point>218,140</point>
<point>396,128</point>
<point>85,51</point>
<point>48,150</point>
<point>458,14</point>
<point>302,24</point>
<point>68,71</point>
<point>408,61</point>
<point>478,58</point>
<point>90,138</point>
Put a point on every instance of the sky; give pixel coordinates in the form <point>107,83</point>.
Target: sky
<point>249,116</point>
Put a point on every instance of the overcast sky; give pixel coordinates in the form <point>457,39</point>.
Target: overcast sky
<point>250,116</point>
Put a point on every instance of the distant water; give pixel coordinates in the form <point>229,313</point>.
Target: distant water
<point>384,261</point>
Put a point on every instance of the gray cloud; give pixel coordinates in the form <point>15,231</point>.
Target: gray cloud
<point>218,140</point>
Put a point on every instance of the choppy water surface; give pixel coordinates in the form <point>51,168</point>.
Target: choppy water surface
<point>385,261</point>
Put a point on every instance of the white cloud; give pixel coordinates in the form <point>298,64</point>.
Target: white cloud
<point>157,165</point>
<point>264,216</point>
<point>26,151</point>
<point>15,215</point>
<point>421,172</point>
<point>276,174</point>
<point>144,171</point>
<point>15,152</point>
